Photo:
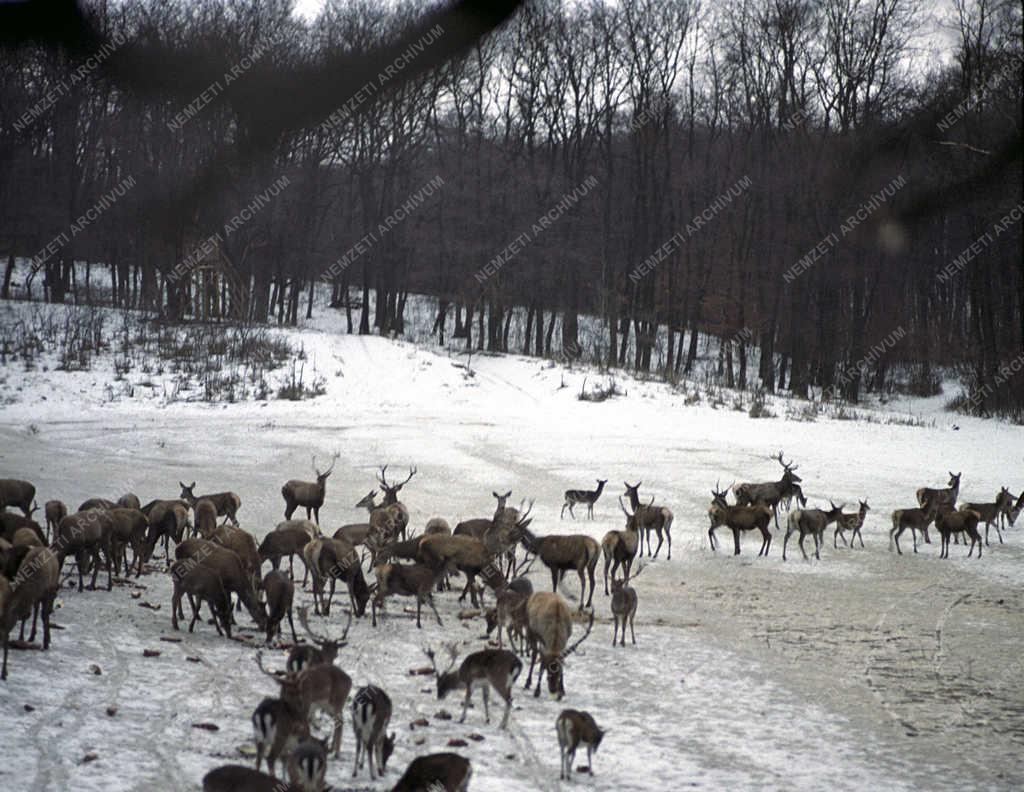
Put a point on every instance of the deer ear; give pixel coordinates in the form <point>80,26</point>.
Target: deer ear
<point>495,494</point>
<point>193,485</point>
<point>182,483</point>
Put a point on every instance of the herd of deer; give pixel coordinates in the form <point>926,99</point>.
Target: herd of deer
<point>216,563</point>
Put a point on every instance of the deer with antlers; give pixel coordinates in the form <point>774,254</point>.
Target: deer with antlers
<point>992,513</point>
<point>619,547</point>
<point>323,652</point>
<point>810,521</point>
<point>737,519</point>
<point>574,497</point>
<point>650,518</point>
<point>307,494</point>
<point>771,493</point>
<point>483,670</point>
<point>624,602</point>
<point>549,627</point>
<point>851,522</point>
<point>398,514</point>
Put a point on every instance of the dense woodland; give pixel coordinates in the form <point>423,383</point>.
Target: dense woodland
<point>834,184</point>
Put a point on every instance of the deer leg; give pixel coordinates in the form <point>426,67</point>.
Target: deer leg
<point>562,515</point>
<point>590,574</point>
<point>430,602</point>
<point>35,617</point>
<point>359,750</point>
<point>660,541</point>
<point>554,578</point>
<point>465,701</point>
<point>998,532</point>
<point>802,535</point>
<point>487,705</point>
<point>533,659</point>
<point>47,610</point>
<point>785,542</point>
<point>632,631</point>
<point>736,540</point>
<point>615,628</point>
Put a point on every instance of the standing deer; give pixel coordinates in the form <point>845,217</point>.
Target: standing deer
<point>483,670</point>
<point>335,559</point>
<point>508,615</point>
<point>914,519</point>
<point>225,564</point>
<point>86,534</point>
<point>810,521</point>
<point>280,592</point>
<point>624,602</point>
<point>965,521</point>
<point>589,497</point>
<point>202,584</point>
<point>738,518</point>
<point>397,510</point>
<point>405,580</point>
<point>578,552</point>
<point>851,522</point>
<point>650,518</point>
<point>992,513</point>
<point>55,511</point>
<point>31,592</point>
<point>15,492</point>
<point>302,656</point>
<point>227,503</point>
<point>771,493</point>
<point>371,713</point>
<point>439,772</point>
<point>279,725</point>
<point>283,542</point>
<point>574,728</point>
<point>307,494</point>
<point>941,497</point>
<point>619,547</point>
<point>549,628</point>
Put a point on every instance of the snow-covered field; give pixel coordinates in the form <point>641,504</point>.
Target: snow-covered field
<point>863,670</point>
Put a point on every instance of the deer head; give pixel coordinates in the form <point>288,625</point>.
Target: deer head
<point>835,511</point>
<point>369,501</point>
<point>864,506</point>
<point>718,496</point>
<point>322,477</point>
<point>447,680</point>
<point>556,686</point>
<point>788,468</point>
<point>328,646</point>
<point>187,493</point>
<point>391,490</point>
<point>502,499</point>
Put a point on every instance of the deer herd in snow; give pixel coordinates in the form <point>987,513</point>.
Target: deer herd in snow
<point>221,565</point>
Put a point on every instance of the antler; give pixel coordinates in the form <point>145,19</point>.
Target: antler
<point>786,465</point>
<point>322,639</point>
<point>639,571</point>
<point>453,652</point>
<point>575,646</point>
<point>522,521</point>
<point>334,459</point>
<point>259,662</point>
<point>521,569</point>
<point>622,506</point>
<point>382,477</point>
<point>412,472</point>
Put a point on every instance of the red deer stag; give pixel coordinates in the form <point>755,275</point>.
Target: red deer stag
<point>737,519</point>
<point>483,670</point>
<point>772,493</point>
<point>549,623</point>
<point>307,494</point>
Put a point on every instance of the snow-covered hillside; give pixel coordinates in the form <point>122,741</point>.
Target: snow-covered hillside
<point>862,670</point>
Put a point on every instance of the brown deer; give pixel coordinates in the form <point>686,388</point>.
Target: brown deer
<point>439,772</point>
<point>305,766</point>
<point>281,543</point>
<point>202,584</point>
<point>205,513</point>
<point>334,560</point>
<point>86,534</point>
<point>738,518</point>
<point>319,687</point>
<point>457,553</point>
<point>55,511</point>
<point>914,519</point>
<point>508,615</point>
<point>307,494</point>
<point>965,521</point>
<point>243,544</point>
<point>575,728</point>
<point>371,713</point>
<point>10,523</point>
<point>549,628</point>
<point>942,497</point>
<point>992,513</point>
<point>130,529</point>
<point>228,567</point>
<point>280,592</point>
<point>650,518</point>
<point>405,580</point>
<point>437,525</point>
<point>589,497</point>
<point>279,725</point>
<point>810,521</point>
<point>619,547</point>
<point>15,492</point>
<point>624,602</point>
<point>486,669</point>
<point>560,554</point>
<point>129,501</point>
<point>325,651</point>
<point>396,509</point>
<point>168,519</point>
<point>97,503</point>
<point>31,592</point>
<point>851,522</point>
<point>771,493</point>
<point>227,503</point>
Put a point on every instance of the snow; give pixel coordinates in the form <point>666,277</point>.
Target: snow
<point>862,670</point>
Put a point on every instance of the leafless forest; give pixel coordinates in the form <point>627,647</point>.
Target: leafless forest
<point>804,179</point>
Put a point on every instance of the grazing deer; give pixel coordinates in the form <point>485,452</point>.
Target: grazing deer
<point>439,772</point>
<point>589,497</point>
<point>914,519</point>
<point>283,542</point>
<point>483,670</point>
<point>129,501</point>
<point>509,613</point>
<point>15,492</point>
<point>86,534</point>
<point>371,713</point>
<point>307,494</point>
<point>624,602</point>
<point>437,525</point>
<point>55,511</point>
<point>575,727</point>
<point>227,503</point>
<point>10,523</point>
<point>228,567</point>
<point>129,530</point>
<point>549,628</point>
<point>851,522</point>
<point>280,592</point>
<point>205,514</point>
<point>560,554</point>
<point>168,519</point>
<point>772,493</point>
<point>965,521</point>
<point>942,497</point>
<point>462,553</point>
<point>405,580</point>
<point>810,521</point>
<point>243,544</point>
<point>324,652</point>
<point>319,687</point>
<point>202,584</point>
<point>279,725</point>
<point>619,547</point>
<point>992,513</point>
<point>650,518</point>
<point>335,559</point>
<point>31,592</point>
<point>738,518</point>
